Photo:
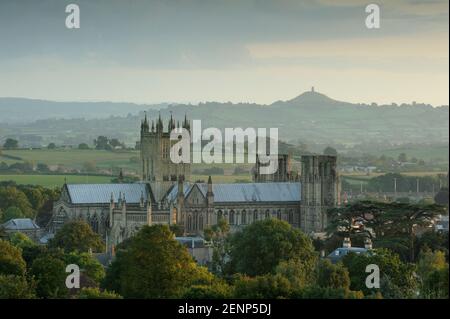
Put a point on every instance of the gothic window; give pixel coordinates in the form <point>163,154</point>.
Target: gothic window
<point>255,215</point>
<point>291,217</point>
<point>200,222</point>
<point>195,220</point>
<point>267,215</point>
<point>189,222</point>
<point>244,217</point>
<point>219,215</point>
<point>279,214</point>
<point>232,221</point>
<point>94,224</point>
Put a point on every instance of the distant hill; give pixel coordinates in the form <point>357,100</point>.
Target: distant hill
<point>27,110</point>
<point>309,117</point>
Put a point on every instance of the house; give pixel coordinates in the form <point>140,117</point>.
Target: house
<point>23,225</point>
<point>347,248</point>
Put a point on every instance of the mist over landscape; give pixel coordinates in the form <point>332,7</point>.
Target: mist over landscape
<point>311,116</point>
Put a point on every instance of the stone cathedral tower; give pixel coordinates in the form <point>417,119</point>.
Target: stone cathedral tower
<point>319,191</point>
<point>157,167</point>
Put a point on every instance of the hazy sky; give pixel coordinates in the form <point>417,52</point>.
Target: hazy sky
<point>228,50</point>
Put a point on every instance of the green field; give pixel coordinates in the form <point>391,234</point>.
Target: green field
<point>52,181</point>
<point>73,158</point>
<point>425,152</point>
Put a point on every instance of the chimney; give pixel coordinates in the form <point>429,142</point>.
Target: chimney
<point>347,243</point>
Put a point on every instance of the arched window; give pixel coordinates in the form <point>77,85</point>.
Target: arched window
<point>244,217</point>
<point>219,215</point>
<point>196,220</point>
<point>255,215</point>
<point>94,224</point>
<point>291,217</point>
<point>189,222</point>
<point>279,214</point>
<point>267,215</point>
<point>232,221</point>
<point>200,222</point>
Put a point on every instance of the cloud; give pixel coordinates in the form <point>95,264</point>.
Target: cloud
<point>409,7</point>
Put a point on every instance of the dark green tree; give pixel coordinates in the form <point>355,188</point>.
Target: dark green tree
<point>332,276</point>
<point>15,287</point>
<point>218,235</point>
<point>50,277</point>
<point>261,246</point>
<point>10,144</point>
<point>152,264</point>
<point>11,261</point>
<point>96,293</point>
<point>77,236</point>
<point>397,279</point>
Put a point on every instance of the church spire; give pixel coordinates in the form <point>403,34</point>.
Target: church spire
<point>186,124</point>
<point>144,124</point>
<point>159,124</point>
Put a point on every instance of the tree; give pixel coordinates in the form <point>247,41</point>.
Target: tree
<point>10,144</point>
<point>436,284</point>
<point>77,236</point>
<point>268,286</point>
<point>115,143</point>
<point>393,224</point>
<point>332,276</point>
<point>152,264</point>
<point>89,266</point>
<point>316,292</point>
<point>12,213</point>
<point>11,261</point>
<point>431,268</point>
<point>96,293</point>
<point>15,287</point>
<point>216,290</point>
<point>397,279</point>
<point>51,146</point>
<point>50,276</point>
<point>436,241</point>
<point>402,158</point>
<point>34,196</point>
<point>20,240</point>
<point>83,146</point>
<point>102,143</point>
<point>261,246</point>
<point>441,197</point>
<point>218,235</point>
<point>299,273</point>
<point>330,151</point>
<point>11,196</point>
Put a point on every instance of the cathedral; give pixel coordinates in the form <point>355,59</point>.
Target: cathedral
<point>167,195</point>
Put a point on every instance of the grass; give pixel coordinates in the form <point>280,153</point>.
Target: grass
<point>52,181</point>
<point>425,152</point>
<point>74,158</point>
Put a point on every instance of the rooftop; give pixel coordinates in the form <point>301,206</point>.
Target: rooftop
<point>101,193</point>
<point>20,224</point>
<point>246,192</point>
